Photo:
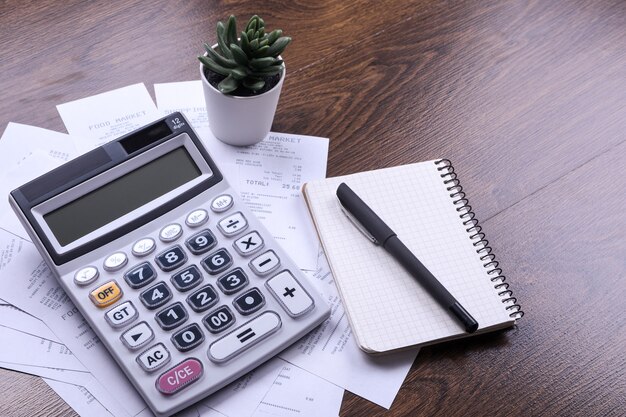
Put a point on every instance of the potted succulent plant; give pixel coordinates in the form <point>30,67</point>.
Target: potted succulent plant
<point>242,77</point>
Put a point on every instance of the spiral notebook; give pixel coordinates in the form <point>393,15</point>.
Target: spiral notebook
<point>426,207</point>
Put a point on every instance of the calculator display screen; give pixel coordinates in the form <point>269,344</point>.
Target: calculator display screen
<point>121,196</point>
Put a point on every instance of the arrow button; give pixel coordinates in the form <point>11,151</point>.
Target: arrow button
<point>137,336</point>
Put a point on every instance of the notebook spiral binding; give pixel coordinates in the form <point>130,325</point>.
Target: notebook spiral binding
<point>478,238</point>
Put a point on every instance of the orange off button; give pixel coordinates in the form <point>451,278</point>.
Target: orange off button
<point>106,294</point>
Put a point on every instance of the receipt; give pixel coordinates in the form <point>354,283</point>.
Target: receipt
<point>95,120</point>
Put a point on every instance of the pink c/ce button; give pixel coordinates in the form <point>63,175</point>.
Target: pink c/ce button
<point>180,376</point>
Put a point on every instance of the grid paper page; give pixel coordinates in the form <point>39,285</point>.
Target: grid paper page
<point>387,307</point>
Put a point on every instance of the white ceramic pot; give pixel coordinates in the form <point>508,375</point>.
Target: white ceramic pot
<point>240,121</point>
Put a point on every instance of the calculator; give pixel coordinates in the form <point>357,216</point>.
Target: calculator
<point>182,283</point>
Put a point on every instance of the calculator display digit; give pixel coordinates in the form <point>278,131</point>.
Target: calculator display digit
<point>121,196</point>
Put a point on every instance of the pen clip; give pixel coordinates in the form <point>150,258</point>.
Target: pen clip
<point>358,225</point>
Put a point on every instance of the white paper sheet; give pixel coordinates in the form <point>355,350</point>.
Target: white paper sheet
<point>267,175</point>
<point>79,398</point>
<point>331,352</point>
<point>95,120</point>
<point>298,393</point>
<point>27,152</point>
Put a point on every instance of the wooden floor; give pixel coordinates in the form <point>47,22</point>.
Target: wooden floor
<point>527,98</point>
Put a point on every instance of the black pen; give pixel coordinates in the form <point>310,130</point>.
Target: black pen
<point>379,233</point>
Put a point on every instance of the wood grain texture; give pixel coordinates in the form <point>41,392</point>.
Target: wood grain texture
<point>527,98</point>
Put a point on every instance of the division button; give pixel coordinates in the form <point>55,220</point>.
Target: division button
<point>201,242</point>
<point>180,376</point>
<point>233,281</point>
<point>170,232</point>
<point>233,224</point>
<point>172,316</point>
<point>197,218</point>
<point>86,275</point>
<point>248,244</point>
<point>106,294</point>
<point>219,319</point>
<point>156,296</point>
<point>249,302</point>
<point>115,261</point>
<point>222,203</point>
<point>121,315</point>
<point>143,247</point>
<point>188,338</point>
<point>244,336</point>
<point>290,294</point>
<point>141,275</point>
<point>154,358</point>
<point>137,336</point>
<point>265,263</point>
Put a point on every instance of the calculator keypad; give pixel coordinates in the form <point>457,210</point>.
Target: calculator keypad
<point>249,302</point>
<point>217,261</point>
<point>244,336</point>
<point>201,242</point>
<point>218,320</point>
<point>233,281</point>
<point>188,338</point>
<point>137,336</point>
<point>187,279</point>
<point>214,306</point>
<point>121,315</point>
<point>140,276</point>
<point>172,316</point>
<point>154,358</point>
<point>203,299</point>
<point>171,258</point>
<point>156,296</point>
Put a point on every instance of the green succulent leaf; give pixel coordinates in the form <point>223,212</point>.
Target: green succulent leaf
<point>264,42</point>
<point>279,46</point>
<point>231,30</point>
<point>239,73</point>
<point>260,63</point>
<point>213,66</point>
<point>261,32</point>
<point>221,40</point>
<point>254,44</point>
<point>239,55</point>
<point>225,62</point>
<point>274,35</point>
<point>266,72</point>
<point>245,44</point>
<point>250,34</point>
<point>228,85</point>
<point>261,52</point>
<point>253,84</point>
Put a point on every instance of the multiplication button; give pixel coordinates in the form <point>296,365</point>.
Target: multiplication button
<point>248,244</point>
<point>265,263</point>
<point>290,294</point>
<point>221,203</point>
<point>86,275</point>
<point>115,261</point>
